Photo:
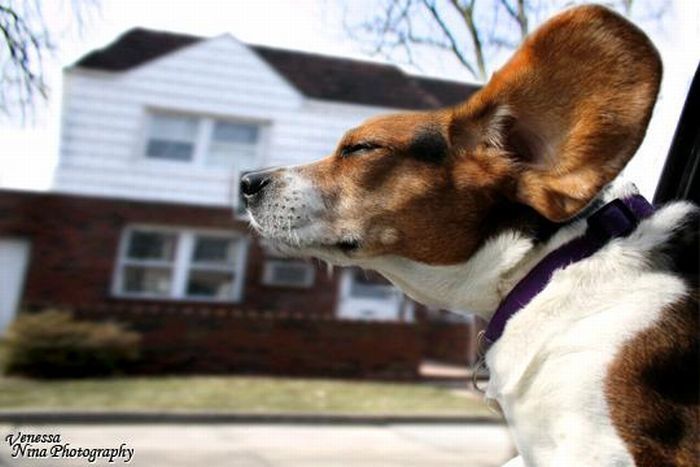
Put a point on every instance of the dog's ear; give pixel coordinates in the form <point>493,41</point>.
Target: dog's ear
<point>569,109</point>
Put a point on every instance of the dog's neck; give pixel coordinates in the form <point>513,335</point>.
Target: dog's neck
<point>477,285</point>
<point>480,283</point>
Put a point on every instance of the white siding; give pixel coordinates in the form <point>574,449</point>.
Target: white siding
<point>102,138</point>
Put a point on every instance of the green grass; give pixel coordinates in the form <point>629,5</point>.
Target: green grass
<point>237,393</point>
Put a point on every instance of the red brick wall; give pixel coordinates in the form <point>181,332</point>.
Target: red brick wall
<point>74,246</point>
<point>74,243</point>
<point>219,340</point>
<point>451,342</point>
<point>446,342</point>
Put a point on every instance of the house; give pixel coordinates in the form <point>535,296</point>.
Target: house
<point>145,213</point>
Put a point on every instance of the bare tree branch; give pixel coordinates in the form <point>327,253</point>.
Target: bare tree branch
<point>467,12</point>
<point>21,61</point>
<point>25,40</point>
<point>430,5</point>
<point>519,15</point>
<point>627,5</point>
<point>473,32</point>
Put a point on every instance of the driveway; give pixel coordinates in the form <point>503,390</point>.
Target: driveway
<point>257,445</point>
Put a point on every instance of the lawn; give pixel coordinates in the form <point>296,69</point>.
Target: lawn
<point>238,393</point>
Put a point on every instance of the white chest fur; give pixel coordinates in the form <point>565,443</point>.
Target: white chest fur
<point>548,369</point>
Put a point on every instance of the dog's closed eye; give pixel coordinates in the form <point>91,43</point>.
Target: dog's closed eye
<point>358,149</point>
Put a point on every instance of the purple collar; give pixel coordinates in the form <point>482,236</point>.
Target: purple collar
<point>618,218</point>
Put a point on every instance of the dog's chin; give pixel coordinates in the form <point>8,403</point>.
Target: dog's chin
<point>311,239</point>
<point>341,253</point>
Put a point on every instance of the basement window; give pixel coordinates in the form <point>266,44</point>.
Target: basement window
<point>286,273</point>
<point>180,264</point>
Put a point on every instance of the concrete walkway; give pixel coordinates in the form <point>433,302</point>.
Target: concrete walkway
<point>240,445</point>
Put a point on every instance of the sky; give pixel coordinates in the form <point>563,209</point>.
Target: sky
<point>30,149</point>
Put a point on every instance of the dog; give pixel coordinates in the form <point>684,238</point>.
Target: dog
<point>458,207</point>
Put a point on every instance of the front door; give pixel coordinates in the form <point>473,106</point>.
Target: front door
<point>368,296</point>
<point>14,256</point>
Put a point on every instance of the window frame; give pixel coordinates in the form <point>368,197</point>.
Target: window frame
<point>182,263</point>
<point>680,177</point>
<point>268,268</point>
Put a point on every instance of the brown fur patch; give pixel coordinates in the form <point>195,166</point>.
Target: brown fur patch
<point>434,204</point>
<point>653,390</point>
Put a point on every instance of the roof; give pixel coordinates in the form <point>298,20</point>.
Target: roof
<point>316,76</point>
<point>133,48</point>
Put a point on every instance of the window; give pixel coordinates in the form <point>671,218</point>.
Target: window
<point>210,273</point>
<point>149,263</point>
<point>172,137</point>
<point>203,141</point>
<point>368,284</point>
<point>368,296</point>
<point>233,145</point>
<point>180,264</point>
<point>206,142</point>
<point>285,273</point>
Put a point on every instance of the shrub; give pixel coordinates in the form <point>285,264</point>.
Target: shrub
<point>53,344</point>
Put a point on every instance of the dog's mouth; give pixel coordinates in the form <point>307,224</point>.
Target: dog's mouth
<point>341,253</point>
<point>307,239</point>
<point>320,249</point>
<point>347,246</point>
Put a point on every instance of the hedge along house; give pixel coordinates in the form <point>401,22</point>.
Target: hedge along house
<point>145,216</point>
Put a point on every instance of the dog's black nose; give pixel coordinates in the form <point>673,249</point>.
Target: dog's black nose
<point>253,182</point>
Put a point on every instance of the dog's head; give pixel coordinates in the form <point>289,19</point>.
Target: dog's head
<point>558,122</point>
